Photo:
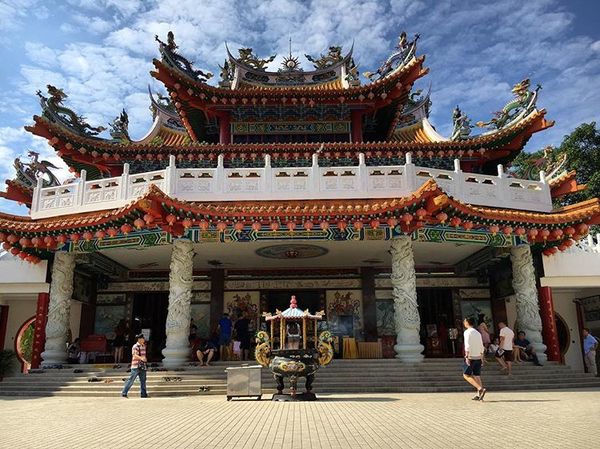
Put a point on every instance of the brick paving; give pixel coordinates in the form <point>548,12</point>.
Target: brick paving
<point>368,421</point>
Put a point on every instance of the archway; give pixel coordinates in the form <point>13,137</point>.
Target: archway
<point>564,336</point>
<point>24,343</point>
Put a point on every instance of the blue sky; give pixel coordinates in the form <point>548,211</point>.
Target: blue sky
<point>100,53</point>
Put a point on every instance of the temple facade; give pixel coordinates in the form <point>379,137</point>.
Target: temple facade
<point>322,183</point>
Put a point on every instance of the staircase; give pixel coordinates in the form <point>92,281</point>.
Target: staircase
<point>341,376</point>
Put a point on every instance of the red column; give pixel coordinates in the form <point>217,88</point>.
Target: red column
<point>39,331</point>
<point>549,331</point>
<point>224,129</point>
<point>3,325</point>
<point>356,124</point>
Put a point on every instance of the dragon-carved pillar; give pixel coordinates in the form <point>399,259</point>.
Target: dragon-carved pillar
<point>59,309</point>
<point>528,309</point>
<point>406,311</point>
<point>177,352</point>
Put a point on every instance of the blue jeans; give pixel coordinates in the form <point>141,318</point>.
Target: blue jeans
<point>135,372</point>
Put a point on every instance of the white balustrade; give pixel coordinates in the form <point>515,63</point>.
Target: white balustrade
<point>272,183</point>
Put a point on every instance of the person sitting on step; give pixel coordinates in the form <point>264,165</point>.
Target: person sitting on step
<point>524,349</point>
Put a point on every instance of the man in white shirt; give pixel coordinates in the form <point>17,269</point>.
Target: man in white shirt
<point>505,353</point>
<point>474,353</point>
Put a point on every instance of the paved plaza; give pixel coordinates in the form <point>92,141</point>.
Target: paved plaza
<point>441,420</point>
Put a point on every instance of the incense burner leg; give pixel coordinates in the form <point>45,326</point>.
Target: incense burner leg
<point>293,385</point>
<point>280,385</point>
<point>309,381</point>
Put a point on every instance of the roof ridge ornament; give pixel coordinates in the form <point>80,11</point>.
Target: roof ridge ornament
<point>461,125</point>
<point>333,56</point>
<point>403,53</point>
<point>55,110</point>
<point>173,58</point>
<point>248,57</point>
<point>119,128</point>
<point>523,103</point>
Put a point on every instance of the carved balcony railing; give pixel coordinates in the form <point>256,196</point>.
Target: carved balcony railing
<point>300,183</point>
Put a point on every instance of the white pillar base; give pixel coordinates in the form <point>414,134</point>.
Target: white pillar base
<point>409,353</point>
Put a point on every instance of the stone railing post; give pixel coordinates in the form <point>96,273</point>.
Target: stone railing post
<point>220,174</point>
<point>459,180</point>
<point>267,175</point>
<point>410,174</point>
<point>363,173</point>
<point>125,182</point>
<point>59,308</point>
<point>406,311</point>
<point>177,352</point>
<point>80,200</point>
<point>171,177</point>
<point>316,174</point>
<point>528,309</point>
<point>37,195</point>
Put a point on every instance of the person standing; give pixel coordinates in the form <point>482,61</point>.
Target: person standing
<point>474,353</point>
<point>225,329</point>
<point>242,332</point>
<point>590,344</point>
<point>138,367</point>
<point>119,341</point>
<point>505,353</point>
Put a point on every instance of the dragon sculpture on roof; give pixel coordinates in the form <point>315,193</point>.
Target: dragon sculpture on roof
<point>403,53</point>
<point>521,105</point>
<point>461,125</point>
<point>169,52</point>
<point>333,56</point>
<point>54,109</point>
<point>250,59</point>
<point>119,128</point>
<point>28,173</point>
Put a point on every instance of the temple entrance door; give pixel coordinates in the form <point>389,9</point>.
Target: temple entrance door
<point>435,310</point>
<point>150,317</point>
<point>307,299</point>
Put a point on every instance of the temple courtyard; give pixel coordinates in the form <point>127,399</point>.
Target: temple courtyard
<point>507,419</point>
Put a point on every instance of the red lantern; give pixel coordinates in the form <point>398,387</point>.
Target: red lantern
<point>256,226</point>
<point>274,226</point>
<point>442,217</point>
<point>557,233</point>
<point>582,228</point>
<point>74,237</point>
<point>171,219</point>
<point>62,239</point>
<point>547,253</point>
<point>15,251</point>
<point>2,236</point>
<point>570,231</point>
<point>494,229</point>
<point>139,223</point>
<point>544,233</point>
<point>238,226</point>
<point>455,222</point>
<point>149,219</point>
<point>221,226</point>
<point>49,241</point>
<point>87,236</point>
<point>187,222</point>
<point>532,234</point>
<point>308,225</point>
<point>569,242</point>
<point>392,222</point>
<point>342,225</point>
<point>6,246</point>
<point>30,258</point>
<point>112,232</point>
<point>126,228</point>
<point>12,239</point>
<point>507,230</point>
<point>562,247</point>
<point>374,223</point>
<point>407,218</point>
<point>291,226</point>
<point>24,242</point>
<point>421,213</point>
<point>553,250</point>
<point>324,225</point>
<point>468,225</point>
<point>100,234</point>
<point>520,231</point>
<point>358,225</point>
<point>23,255</point>
<point>204,225</point>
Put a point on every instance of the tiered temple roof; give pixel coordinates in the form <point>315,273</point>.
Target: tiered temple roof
<point>291,115</point>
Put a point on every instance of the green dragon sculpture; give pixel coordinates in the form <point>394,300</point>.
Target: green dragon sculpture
<point>522,104</point>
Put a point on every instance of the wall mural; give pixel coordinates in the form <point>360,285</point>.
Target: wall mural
<point>344,312</point>
<point>110,309</point>
<point>386,325</point>
<point>236,303</point>
<point>481,310</point>
<point>200,313</point>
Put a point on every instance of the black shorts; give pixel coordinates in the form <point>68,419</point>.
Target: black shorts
<point>506,355</point>
<point>473,368</point>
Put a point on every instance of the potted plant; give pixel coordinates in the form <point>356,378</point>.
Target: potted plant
<point>8,362</point>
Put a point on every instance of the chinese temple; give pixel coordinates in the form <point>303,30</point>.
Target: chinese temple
<point>324,183</point>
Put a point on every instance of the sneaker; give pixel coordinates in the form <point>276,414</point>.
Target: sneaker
<point>476,398</point>
<point>482,393</point>
<point>124,396</point>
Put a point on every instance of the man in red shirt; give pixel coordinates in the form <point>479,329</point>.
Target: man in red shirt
<point>138,366</point>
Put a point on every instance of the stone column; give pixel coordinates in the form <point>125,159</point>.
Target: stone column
<point>59,309</point>
<point>177,351</point>
<point>406,312</point>
<point>528,310</point>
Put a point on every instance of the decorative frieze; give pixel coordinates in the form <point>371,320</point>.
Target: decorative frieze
<point>150,286</point>
<point>436,282</point>
<point>278,284</point>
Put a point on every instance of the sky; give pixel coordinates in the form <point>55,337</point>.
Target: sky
<point>100,52</point>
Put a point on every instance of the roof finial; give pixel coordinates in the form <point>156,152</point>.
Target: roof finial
<point>290,47</point>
